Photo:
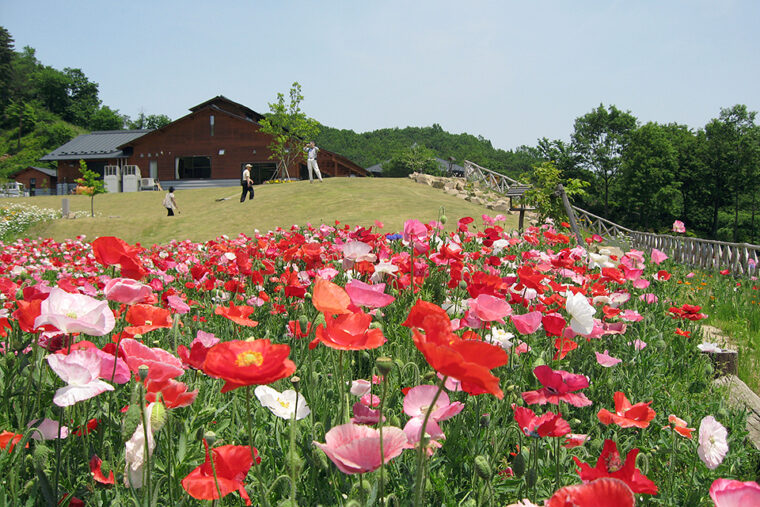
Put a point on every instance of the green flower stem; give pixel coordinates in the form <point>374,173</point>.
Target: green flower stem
<point>292,451</point>
<point>213,470</point>
<point>256,471</point>
<point>419,486</point>
<point>382,449</point>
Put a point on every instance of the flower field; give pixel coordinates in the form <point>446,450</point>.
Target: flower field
<point>335,365</point>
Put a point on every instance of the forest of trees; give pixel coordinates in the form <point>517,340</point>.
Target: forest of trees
<point>643,176</point>
<point>42,107</point>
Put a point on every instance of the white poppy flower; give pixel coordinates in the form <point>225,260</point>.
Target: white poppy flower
<point>582,313</point>
<point>282,404</point>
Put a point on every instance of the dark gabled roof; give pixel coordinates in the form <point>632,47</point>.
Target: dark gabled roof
<point>44,170</point>
<point>444,165</point>
<point>230,106</point>
<point>99,144</point>
<point>376,169</point>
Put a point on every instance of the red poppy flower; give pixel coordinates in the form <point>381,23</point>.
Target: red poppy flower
<point>237,314</point>
<point>563,346</point>
<point>295,329</point>
<point>349,331</point>
<point>681,332</point>
<point>469,361</point>
<point>558,386</point>
<point>97,471</point>
<point>609,465</point>
<point>26,314</point>
<point>231,464</point>
<point>161,364</point>
<point>547,425</point>
<point>330,298</point>
<point>553,324</point>
<point>109,250</point>
<point>145,318</point>
<point>173,394</point>
<point>627,415</point>
<point>8,440</point>
<point>243,363</point>
<point>604,492</point>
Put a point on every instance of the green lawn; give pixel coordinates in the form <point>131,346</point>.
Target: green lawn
<point>140,217</point>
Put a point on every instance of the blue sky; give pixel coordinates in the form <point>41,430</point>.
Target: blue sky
<point>511,72</point>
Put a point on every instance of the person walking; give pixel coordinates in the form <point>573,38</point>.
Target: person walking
<point>247,183</point>
<point>170,203</point>
<point>311,162</point>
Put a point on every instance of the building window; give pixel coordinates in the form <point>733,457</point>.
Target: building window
<point>211,124</point>
<point>261,171</point>
<point>193,167</point>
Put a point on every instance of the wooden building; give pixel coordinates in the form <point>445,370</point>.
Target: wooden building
<point>210,145</point>
<point>38,180</point>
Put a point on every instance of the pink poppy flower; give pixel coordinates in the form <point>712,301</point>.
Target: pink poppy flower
<point>161,364</point>
<point>75,313</point>
<point>679,227</point>
<point>413,431</point>
<point>179,306</point>
<point>732,493</point>
<point>360,387</point>
<point>355,449</point>
<point>364,414</point>
<point>713,444</point>
<point>649,298</point>
<point>47,429</point>
<point>80,370</point>
<point>606,360</point>
<point>546,425</point>
<point>451,384</point>
<point>371,296</point>
<point>120,374</point>
<point>631,316</point>
<point>641,283</point>
<point>558,386</point>
<point>526,323</point>
<point>658,256</point>
<point>638,344</point>
<point>126,290</point>
<point>489,308</point>
<point>418,400</point>
<point>574,440</point>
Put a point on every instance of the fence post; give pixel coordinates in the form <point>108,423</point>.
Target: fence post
<point>570,214</point>
<point>65,208</point>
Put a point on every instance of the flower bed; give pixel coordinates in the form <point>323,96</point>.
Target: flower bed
<point>302,365</point>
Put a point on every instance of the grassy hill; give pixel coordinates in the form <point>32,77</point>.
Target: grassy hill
<point>355,201</point>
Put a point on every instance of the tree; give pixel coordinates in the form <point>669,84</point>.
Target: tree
<point>92,184</point>
<point>600,138</point>
<point>648,187</point>
<point>732,154</point>
<point>416,158</point>
<point>83,98</point>
<point>106,118</point>
<point>6,58</point>
<point>543,192</point>
<point>289,128</point>
<point>150,121</point>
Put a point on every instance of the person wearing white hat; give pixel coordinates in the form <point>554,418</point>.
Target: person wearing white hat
<point>311,162</point>
<point>247,183</point>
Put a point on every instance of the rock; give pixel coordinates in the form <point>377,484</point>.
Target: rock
<point>438,183</point>
<point>741,396</point>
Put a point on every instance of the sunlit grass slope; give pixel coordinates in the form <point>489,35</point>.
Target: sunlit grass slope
<point>140,217</point>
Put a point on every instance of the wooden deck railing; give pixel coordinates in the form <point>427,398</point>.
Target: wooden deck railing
<point>490,179</point>
<point>738,258</point>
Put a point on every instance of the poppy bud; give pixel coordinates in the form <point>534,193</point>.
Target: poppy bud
<point>287,502</point>
<point>157,416</point>
<point>518,465</point>
<point>320,320</point>
<point>539,361</point>
<point>303,323</point>
<point>384,365</point>
<point>295,381</point>
<point>428,376</point>
<point>462,284</point>
<point>40,455</point>
<point>708,368</point>
<point>320,459</point>
<point>364,485</point>
<point>723,413</point>
<point>530,477</point>
<point>483,468</point>
<point>444,219</point>
<point>294,462</point>
<point>697,387</point>
<point>131,420</point>
<point>210,438</point>
<point>376,325</point>
<point>393,421</point>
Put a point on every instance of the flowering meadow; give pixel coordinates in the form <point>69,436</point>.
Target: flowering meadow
<point>16,218</point>
<point>345,366</point>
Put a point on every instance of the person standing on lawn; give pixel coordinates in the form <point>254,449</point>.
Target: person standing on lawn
<point>170,203</point>
<point>247,183</point>
<point>311,162</point>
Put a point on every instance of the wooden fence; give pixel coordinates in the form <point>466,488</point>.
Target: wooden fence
<point>488,178</point>
<point>738,258</point>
